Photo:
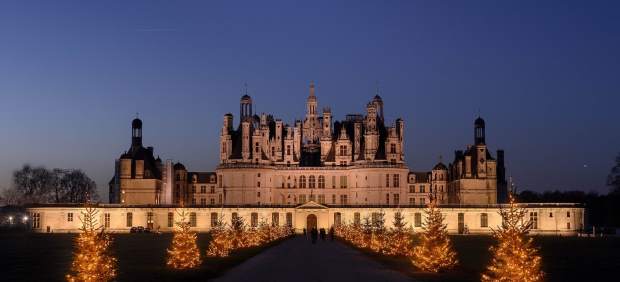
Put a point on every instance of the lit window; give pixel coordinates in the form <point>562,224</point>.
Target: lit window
<point>70,217</point>
<point>417,219</point>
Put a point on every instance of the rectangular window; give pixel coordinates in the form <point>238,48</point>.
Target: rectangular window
<point>550,214</point>
<point>70,217</point>
<point>254,219</point>
<point>192,219</point>
<point>356,219</point>
<point>411,188</point>
<point>484,220</point>
<point>170,220</point>
<point>36,220</point>
<point>343,199</point>
<point>387,199</point>
<point>422,189</point>
<point>219,181</point>
<point>193,201</point>
<point>412,201</point>
<point>396,180</point>
<point>289,219</point>
<point>334,199</point>
<point>203,189</point>
<point>106,220</point>
<point>212,190</point>
<point>129,219</point>
<point>343,181</point>
<point>422,201</point>
<point>387,180</point>
<point>417,219</point>
<point>203,202</point>
<point>321,199</point>
<point>302,199</point>
<point>219,199</point>
<point>212,201</point>
<point>275,219</point>
<point>567,214</point>
<point>258,184</point>
<point>149,217</point>
<point>534,220</point>
<point>568,225</point>
<point>396,199</point>
<point>214,219</point>
<point>337,219</point>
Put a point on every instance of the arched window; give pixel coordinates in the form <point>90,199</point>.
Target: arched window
<point>302,182</point>
<point>321,181</point>
<point>311,181</point>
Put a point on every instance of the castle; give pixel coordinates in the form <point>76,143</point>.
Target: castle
<point>356,161</point>
<point>317,172</point>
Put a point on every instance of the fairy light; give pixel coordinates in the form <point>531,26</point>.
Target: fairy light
<point>92,260</point>
<point>183,252</point>
<point>435,252</point>
<point>514,257</point>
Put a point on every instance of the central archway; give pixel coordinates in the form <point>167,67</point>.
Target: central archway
<point>311,222</point>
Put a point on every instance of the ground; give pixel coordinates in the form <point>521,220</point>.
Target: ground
<point>141,257</point>
<point>47,257</point>
<point>563,259</point>
<point>301,261</point>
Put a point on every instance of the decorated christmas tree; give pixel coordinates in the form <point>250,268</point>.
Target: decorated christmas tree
<point>183,252</point>
<point>221,240</point>
<point>378,239</point>
<point>434,252</point>
<point>366,233</point>
<point>239,233</point>
<point>92,260</point>
<point>514,257</point>
<point>399,238</point>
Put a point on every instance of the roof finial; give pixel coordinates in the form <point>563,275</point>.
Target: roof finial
<point>312,88</point>
<point>440,158</point>
<point>377,87</point>
<point>245,88</point>
<point>137,115</point>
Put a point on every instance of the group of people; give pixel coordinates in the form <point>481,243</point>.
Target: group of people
<point>314,234</point>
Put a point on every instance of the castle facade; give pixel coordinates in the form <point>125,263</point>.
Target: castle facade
<point>314,172</point>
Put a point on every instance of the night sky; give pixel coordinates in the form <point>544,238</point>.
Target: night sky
<point>543,74</point>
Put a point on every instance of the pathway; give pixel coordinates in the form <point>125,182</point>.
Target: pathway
<point>298,260</point>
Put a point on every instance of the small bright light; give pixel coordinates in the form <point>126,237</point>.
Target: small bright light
<point>10,218</point>
<point>25,218</point>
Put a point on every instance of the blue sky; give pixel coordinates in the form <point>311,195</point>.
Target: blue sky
<point>543,74</point>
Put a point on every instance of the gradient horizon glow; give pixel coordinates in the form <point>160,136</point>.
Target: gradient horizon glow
<point>543,75</point>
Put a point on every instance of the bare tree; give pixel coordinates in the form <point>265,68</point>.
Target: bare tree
<point>76,187</point>
<point>613,179</point>
<point>33,184</point>
<point>10,197</point>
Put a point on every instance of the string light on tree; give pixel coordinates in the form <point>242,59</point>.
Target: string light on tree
<point>92,260</point>
<point>183,252</point>
<point>435,252</point>
<point>514,257</point>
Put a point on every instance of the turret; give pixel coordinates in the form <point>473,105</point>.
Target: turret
<point>479,131</point>
<point>136,134</point>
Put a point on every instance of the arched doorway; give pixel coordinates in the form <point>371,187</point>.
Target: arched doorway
<point>311,222</point>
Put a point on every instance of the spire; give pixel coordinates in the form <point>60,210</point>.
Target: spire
<point>312,89</point>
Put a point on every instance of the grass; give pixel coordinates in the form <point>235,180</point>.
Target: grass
<point>141,257</point>
<point>563,259</point>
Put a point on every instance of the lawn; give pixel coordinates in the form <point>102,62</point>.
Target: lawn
<point>141,257</point>
<point>563,259</point>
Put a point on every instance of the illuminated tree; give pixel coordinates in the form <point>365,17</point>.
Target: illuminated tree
<point>399,238</point>
<point>366,233</point>
<point>92,260</point>
<point>183,252</point>
<point>514,257</point>
<point>435,252</point>
<point>221,242</point>
<point>378,236</point>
